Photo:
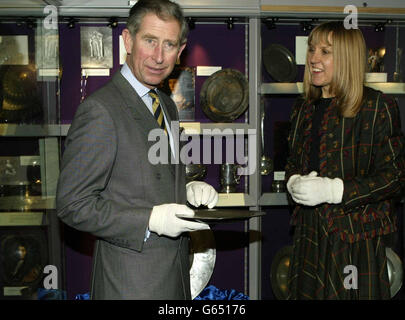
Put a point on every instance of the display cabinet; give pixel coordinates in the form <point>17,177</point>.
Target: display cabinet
<point>30,241</point>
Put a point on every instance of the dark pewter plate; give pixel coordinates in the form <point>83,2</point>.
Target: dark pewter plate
<point>279,272</point>
<point>279,63</point>
<point>223,215</point>
<point>224,96</point>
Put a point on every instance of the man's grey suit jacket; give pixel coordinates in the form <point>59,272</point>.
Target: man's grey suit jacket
<point>107,187</point>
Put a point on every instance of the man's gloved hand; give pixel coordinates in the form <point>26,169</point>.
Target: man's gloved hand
<point>165,220</point>
<point>201,193</point>
<point>312,190</point>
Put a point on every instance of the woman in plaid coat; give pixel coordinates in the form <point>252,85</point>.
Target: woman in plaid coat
<point>346,171</point>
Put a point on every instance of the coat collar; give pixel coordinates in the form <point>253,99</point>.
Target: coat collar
<point>134,105</point>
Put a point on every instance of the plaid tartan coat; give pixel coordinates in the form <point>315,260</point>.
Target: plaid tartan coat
<point>368,153</point>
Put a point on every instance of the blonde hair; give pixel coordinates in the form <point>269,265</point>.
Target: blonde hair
<point>349,65</point>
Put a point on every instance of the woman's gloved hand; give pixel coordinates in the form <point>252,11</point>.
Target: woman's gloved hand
<point>311,190</point>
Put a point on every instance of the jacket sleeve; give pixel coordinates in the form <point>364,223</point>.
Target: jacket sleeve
<point>386,175</point>
<point>86,167</point>
<point>292,161</point>
<point>295,119</point>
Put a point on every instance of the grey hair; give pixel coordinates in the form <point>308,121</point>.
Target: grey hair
<point>164,9</point>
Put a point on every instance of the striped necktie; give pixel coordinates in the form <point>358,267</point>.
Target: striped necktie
<point>157,110</point>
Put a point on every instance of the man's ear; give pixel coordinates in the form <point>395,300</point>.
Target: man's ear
<point>181,50</point>
<point>128,42</point>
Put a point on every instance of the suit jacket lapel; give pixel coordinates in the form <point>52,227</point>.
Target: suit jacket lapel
<point>136,108</point>
<point>134,105</point>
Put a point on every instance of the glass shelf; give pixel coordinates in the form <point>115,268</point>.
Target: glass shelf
<point>27,203</point>
<point>273,199</point>
<point>297,87</point>
<point>31,130</point>
<point>38,202</point>
<point>22,219</point>
<point>215,128</point>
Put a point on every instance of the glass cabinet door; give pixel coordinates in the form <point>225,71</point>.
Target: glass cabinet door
<point>29,157</point>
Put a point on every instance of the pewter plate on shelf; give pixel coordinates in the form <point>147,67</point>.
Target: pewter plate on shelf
<point>279,63</point>
<point>224,96</point>
<point>223,215</point>
<point>279,272</point>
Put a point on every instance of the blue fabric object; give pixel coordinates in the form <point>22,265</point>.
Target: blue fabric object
<point>213,293</point>
<point>84,296</point>
<point>50,294</point>
<point>209,293</point>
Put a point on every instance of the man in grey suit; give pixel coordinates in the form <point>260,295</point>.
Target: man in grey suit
<point>108,185</point>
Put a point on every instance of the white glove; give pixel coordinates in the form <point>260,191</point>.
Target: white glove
<point>164,220</point>
<point>311,190</point>
<point>201,193</point>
